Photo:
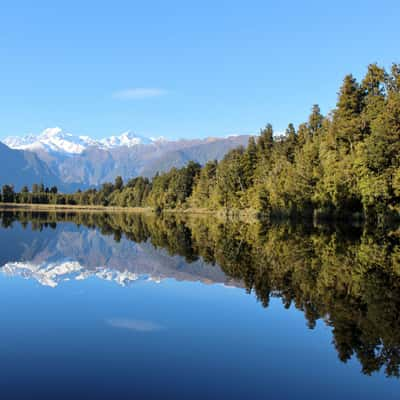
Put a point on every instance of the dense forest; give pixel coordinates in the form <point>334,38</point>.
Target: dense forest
<point>343,164</point>
<point>347,279</point>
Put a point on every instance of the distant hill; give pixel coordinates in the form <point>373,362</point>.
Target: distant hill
<point>21,168</point>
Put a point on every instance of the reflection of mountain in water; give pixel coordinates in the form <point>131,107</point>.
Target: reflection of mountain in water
<point>51,274</point>
<point>80,253</point>
<point>349,279</point>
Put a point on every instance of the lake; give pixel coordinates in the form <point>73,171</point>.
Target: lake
<point>110,306</point>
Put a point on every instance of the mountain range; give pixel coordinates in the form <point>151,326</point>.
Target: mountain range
<point>72,161</point>
<point>56,141</point>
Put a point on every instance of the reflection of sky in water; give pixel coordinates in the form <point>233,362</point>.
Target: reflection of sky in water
<point>175,339</point>
<point>135,325</point>
<point>185,340</point>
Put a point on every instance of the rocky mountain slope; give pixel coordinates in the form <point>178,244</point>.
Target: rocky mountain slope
<point>79,161</point>
<point>21,168</point>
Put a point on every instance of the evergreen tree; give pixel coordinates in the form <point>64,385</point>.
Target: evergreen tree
<point>315,120</point>
<point>290,142</point>
<point>119,183</point>
<point>8,194</point>
<point>347,127</point>
<point>250,162</point>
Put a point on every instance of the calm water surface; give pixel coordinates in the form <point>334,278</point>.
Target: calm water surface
<point>96,306</point>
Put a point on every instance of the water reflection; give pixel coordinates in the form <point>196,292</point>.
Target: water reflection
<point>62,252</point>
<point>135,325</point>
<point>348,278</point>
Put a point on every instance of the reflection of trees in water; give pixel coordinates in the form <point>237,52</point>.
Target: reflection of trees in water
<point>350,280</point>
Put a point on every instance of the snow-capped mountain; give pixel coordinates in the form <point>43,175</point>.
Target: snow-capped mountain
<point>51,140</point>
<point>55,140</point>
<point>74,162</point>
<point>128,139</point>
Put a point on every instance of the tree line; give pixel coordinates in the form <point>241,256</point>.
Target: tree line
<point>343,164</point>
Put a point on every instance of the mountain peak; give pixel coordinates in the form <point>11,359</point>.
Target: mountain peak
<point>127,138</point>
<point>55,140</point>
<point>51,133</point>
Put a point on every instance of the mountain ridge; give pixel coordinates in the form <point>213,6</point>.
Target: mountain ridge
<point>80,161</point>
<point>21,168</point>
<point>56,140</point>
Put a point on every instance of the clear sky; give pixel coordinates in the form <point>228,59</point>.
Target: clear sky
<point>183,68</point>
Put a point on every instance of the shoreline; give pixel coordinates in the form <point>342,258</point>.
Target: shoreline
<point>244,214</point>
<point>65,207</point>
<point>69,207</point>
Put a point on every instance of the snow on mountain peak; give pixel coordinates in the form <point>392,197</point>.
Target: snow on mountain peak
<point>51,140</point>
<point>50,133</point>
<point>55,140</point>
<point>127,138</point>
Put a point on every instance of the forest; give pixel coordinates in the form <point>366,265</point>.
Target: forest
<point>345,164</point>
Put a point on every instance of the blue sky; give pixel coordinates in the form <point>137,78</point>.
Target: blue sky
<point>183,68</point>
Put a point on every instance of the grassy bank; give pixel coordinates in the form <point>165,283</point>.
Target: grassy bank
<point>248,214</point>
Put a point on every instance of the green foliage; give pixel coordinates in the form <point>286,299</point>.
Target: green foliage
<point>7,194</point>
<point>338,166</point>
<point>204,186</point>
<point>119,183</point>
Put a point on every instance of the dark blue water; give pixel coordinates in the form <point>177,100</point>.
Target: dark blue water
<point>83,316</point>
